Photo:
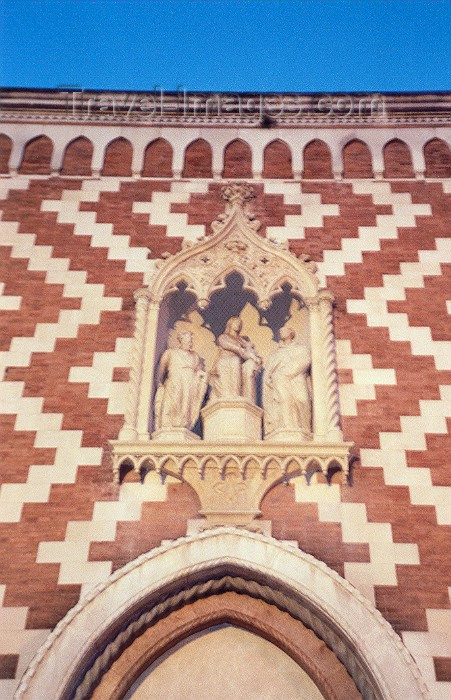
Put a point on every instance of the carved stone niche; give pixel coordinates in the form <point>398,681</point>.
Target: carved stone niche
<point>219,288</point>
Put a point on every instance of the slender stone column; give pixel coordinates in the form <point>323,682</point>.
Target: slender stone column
<point>147,371</point>
<point>326,410</point>
<point>129,429</point>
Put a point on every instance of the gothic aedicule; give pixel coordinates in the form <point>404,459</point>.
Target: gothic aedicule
<point>233,386</point>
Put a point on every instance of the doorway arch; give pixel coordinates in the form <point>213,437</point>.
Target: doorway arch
<point>222,560</point>
<point>223,662</point>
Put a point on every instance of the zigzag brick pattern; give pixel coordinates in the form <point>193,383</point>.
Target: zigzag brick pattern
<point>73,252</point>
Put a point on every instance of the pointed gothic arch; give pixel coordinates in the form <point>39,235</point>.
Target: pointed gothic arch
<point>37,155</point>
<point>249,269</point>
<point>76,655</point>
<point>317,161</point>
<point>6,146</point>
<point>237,159</point>
<point>118,156</point>
<point>198,161</point>
<point>77,157</point>
<point>397,159</point>
<point>437,155</point>
<point>277,160</point>
<point>203,268</point>
<point>357,161</point>
<point>158,159</point>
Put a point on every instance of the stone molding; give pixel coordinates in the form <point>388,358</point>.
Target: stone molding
<point>335,136</point>
<point>232,121</point>
<point>361,638</point>
<point>298,109</point>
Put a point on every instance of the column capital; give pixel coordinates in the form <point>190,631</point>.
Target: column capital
<point>324,297</point>
<point>141,293</point>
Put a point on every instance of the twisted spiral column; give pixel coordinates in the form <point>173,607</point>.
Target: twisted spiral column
<point>326,408</point>
<point>330,367</point>
<point>129,429</point>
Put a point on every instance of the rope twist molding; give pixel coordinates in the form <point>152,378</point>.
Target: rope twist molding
<point>268,568</point>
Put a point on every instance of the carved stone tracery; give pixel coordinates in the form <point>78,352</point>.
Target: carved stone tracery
<point>235,247</point>
<point>267,269</point>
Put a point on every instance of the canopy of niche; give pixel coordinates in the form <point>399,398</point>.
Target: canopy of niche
<point>266,268</point>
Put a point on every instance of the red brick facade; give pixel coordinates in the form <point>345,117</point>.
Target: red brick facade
<point>36,157</point>
<point>438,159</point>
<point>357,159</point>
<point>237,160</point>
<point>5,152</point>
<point>397,160</point>
<point>317,161</point>
<point>277,160</point>
<point>411,241</point>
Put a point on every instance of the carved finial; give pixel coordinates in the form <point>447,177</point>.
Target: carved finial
<point>237,194</point>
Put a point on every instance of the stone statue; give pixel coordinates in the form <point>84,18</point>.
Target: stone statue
<point>286,387</point>
<point>236,365</point>
<point>182,384</point>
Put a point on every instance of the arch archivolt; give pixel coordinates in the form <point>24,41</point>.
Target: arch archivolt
<point>240,610</point>
<point>309,604</point>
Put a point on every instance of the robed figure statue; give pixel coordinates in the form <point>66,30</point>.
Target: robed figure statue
<point>182,384</point>
<point>236,366</point>
<point>286,387</point>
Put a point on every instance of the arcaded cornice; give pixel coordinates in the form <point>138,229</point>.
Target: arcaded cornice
<point>159,108</point>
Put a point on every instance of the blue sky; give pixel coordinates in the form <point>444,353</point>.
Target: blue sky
<point>236,45</point>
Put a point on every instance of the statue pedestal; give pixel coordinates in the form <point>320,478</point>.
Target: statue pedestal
<point>232,420</point>
<point>282,435</point>
<point>230,478</point>
<point>174,435</point>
